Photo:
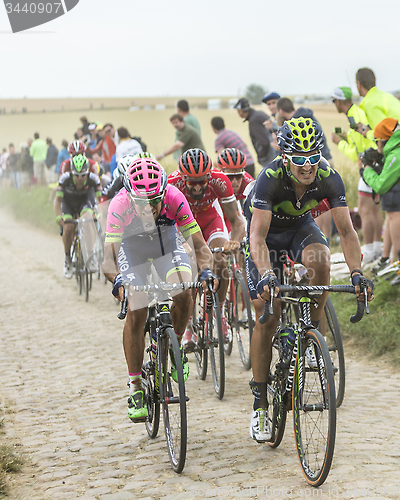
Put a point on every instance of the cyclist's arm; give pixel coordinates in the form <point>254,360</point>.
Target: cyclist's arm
<point>110,264</point>
<point>259,227</point>
<point>57,206</point>
<point>348,237</point>
<point>204,256</point>
<point>232,214</point>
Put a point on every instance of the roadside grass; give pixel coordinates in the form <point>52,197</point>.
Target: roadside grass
<point>377,334</point>
<point>10,461</point>
<point>31,206</point>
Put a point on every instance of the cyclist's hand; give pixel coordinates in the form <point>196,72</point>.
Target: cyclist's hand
<point>264,285</point>
<point>60,220</point>
<point>118,288</point>
<point>205,278</point>
<point>359,279</point>
<point>231,246</point>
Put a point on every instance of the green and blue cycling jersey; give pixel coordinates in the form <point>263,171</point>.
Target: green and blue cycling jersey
<point>274,191</point>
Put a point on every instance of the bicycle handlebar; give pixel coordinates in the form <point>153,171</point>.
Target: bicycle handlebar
<point>242,245</point>
<point>162,286</point>
<point>318,290</point>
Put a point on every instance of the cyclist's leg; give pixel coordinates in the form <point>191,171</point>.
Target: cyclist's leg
<point>310,247</point>
<point>261,353</point>
<point>68,211</point>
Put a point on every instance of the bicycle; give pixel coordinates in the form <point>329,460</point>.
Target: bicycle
<point>207,326</point>
<point>309,391</point>
<point>238,306</point>
<point>159,387</point>
<point>330,329</point>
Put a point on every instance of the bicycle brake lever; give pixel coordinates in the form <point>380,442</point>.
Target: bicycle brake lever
<point>124,305</point>
<point>271,293</point>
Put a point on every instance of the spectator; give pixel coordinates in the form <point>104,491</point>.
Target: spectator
<point>259,135</point>
<point>286,110</point>
<point>3,166</point>
<point>85,125</point>
<point>352,144</point>
<point>386,182</point>
<point>230,139</point>
<point>183,110</point>
<point>270,100</point>
<point>30,161</point>
<point>24,164</point>
<point>93,139</point>
<point>108,146</point>
<point>126,145</point>
<point>13,167</point>
<point>188,138</point>
<point>62,156</point>
<point>38,151</point>
<point>51,161</point>
<point>376,104</point>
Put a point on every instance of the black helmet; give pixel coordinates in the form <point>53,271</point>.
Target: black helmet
<point>243,104</point>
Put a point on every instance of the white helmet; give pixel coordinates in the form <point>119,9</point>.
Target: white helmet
<point>124,163</point>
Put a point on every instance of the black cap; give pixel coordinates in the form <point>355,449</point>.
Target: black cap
<point>243,104</point>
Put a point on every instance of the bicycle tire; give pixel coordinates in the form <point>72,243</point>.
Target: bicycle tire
<point>198,324</point>
<point>241,324</point>
<point>216,350</point>
<point>79,264</point>
<point>173,399</point>
<point>336,351</point>
<point>314,410</point>
<point>86,280</point>
<point>277,411</point>
<point>150,380</point>
<point>230,315</point>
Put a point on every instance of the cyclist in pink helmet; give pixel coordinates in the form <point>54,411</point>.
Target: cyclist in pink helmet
<point>142,225</point>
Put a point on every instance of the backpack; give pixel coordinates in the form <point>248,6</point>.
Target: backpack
<point>142,144</point>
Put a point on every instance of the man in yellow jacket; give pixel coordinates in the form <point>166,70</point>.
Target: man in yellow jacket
<point>352,144</point>
<point>376,104</point>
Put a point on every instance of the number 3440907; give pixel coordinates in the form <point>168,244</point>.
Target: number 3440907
<point>33,8</point>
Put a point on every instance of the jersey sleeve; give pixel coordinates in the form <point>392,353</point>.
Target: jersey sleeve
<point>116,219</point>
<point>266,187</point>
<point>178,209</point>
<point>333,190</point>
<point>222,187</point>
<point>61,184</point>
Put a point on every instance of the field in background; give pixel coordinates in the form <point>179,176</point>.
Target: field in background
<point>153,126</point>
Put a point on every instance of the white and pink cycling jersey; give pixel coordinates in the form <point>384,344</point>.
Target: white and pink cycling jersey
<point>122,215</point>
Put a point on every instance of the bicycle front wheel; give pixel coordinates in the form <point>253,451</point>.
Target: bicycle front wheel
<point>314,408</point>
<point>198,323</point>
<point>173,398</point>
<point>334,342</point>
<point>244,320</point>
<point>215,341</point>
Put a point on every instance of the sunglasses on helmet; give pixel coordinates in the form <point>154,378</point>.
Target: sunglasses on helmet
<point>142,202</point>
<point>196,182</point>
<point>237,175</point>
<point>300,161</point>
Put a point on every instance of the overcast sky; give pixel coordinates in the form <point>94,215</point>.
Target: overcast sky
<point>210,47</point>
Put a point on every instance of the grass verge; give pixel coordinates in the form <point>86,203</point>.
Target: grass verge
<point>31,206</point>
<point>377,334</point>
<point>10,461</point>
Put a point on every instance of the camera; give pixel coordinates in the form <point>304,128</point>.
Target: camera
<point>338,130</point>
<point>352,123</point>
<point>372,158</point>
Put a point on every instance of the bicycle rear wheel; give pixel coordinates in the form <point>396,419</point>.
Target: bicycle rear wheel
<point>334,342</point>
<point>314,409</point>
<point>229,310</point>
<point>198,323</point>
<point>173,399</point>
<point>277,411</point>
<point>215,341</point>
<point>244,321</point>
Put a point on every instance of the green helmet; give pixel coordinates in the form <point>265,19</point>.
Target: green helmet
<point>79,164</point>
<point>144,155</point>
<point>300,135</point>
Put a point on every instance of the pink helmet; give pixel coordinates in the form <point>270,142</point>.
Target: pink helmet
<point>145,178</point>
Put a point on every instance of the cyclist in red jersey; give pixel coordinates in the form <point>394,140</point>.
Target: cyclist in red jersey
<point>202,186</point>
<point>232,162</point>
<point>78,148</point>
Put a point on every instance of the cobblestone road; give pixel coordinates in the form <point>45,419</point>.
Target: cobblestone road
<point>63,397</point>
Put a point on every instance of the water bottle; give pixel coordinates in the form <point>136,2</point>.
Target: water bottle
<point>287,341</point>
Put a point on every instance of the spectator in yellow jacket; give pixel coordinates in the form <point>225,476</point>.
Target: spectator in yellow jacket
<point>352,143</point>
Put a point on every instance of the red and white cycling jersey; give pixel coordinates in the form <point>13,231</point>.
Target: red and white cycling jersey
<point>66,166</point>
<point>219,188</point>
<point>247,179</point>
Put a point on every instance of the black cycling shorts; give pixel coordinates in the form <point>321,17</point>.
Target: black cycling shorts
<point>292,242</point>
